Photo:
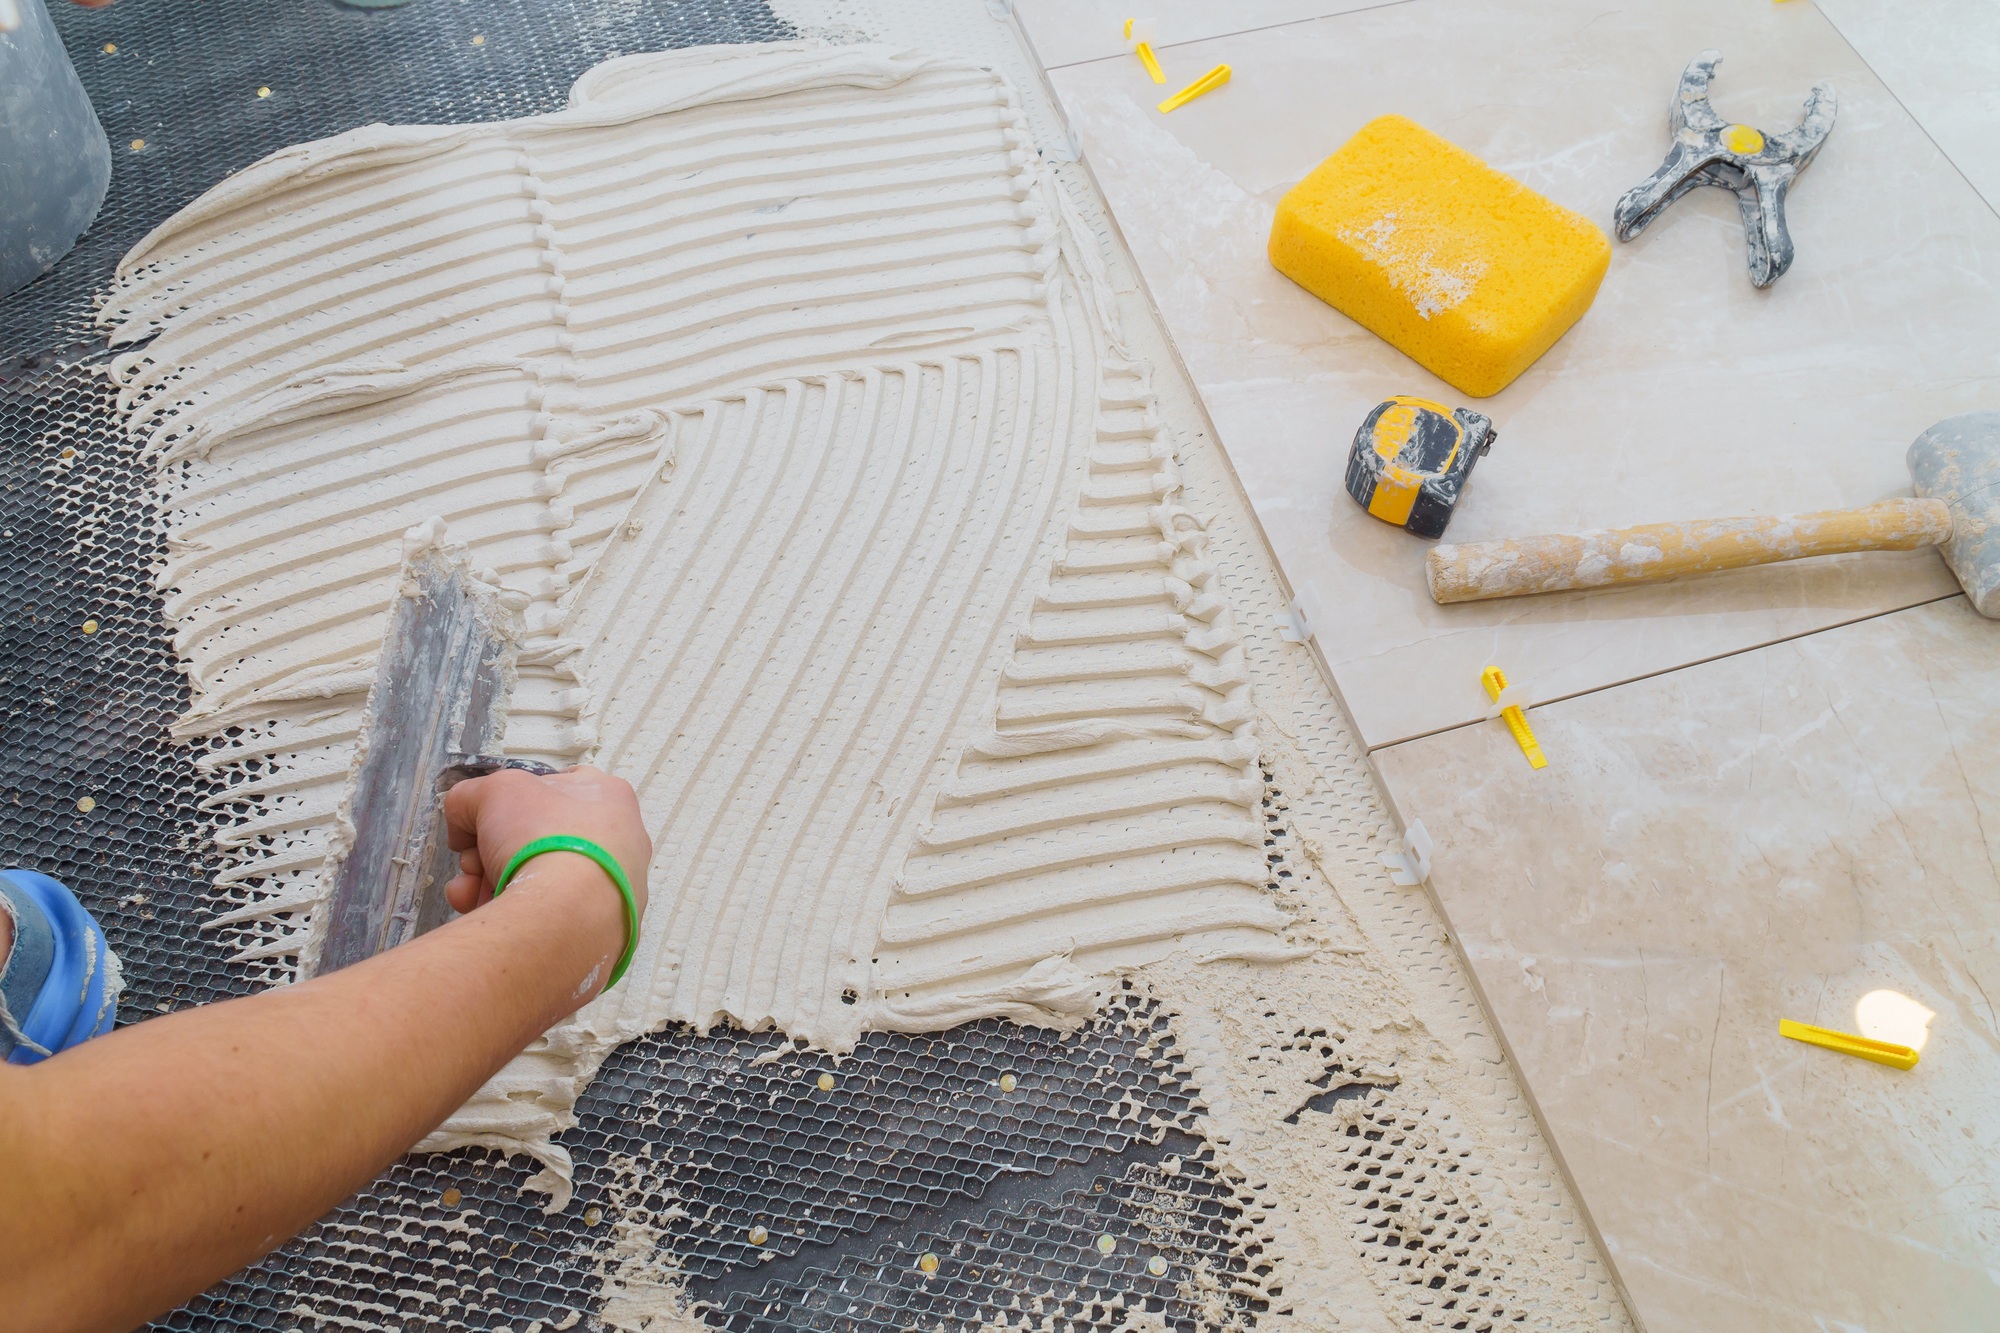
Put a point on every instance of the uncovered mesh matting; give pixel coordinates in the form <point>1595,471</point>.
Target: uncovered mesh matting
<point>1045,1177</point>
<point>786,1204</point>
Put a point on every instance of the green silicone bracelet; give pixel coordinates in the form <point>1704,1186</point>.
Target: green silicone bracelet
<point>564,842</point>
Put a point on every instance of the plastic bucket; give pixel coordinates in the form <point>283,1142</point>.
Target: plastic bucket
<point>55,163</point>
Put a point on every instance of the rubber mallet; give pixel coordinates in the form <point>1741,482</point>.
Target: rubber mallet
<point>1955,468</point>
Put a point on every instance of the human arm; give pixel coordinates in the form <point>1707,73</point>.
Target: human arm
<point>141,1167</point>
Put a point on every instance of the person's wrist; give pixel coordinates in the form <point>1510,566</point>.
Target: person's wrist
<point>580,897</point>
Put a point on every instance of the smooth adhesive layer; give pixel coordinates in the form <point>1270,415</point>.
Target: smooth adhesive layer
<point>776,387</point>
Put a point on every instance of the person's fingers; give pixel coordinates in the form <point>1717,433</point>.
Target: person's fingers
<point>582,780</point>
<point>488,818</point>
<point>462,893</point>
<point>461,813</point>
<point>471,874</point>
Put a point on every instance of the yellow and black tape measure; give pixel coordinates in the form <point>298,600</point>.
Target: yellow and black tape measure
<point>1410,461</point>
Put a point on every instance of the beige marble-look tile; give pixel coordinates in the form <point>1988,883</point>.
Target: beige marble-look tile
<point>1942,58</point>
<point>1068,32</point>
<point>1775,834</point>
<point>1684,393</point>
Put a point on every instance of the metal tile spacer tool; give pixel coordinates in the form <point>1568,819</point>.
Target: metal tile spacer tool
<point>1708,150</point>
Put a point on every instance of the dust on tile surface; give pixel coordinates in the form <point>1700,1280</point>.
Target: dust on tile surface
<point>1683,393</point>
<point>1778,834</point>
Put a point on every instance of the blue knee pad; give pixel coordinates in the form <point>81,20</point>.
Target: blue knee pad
<point>61,982</point>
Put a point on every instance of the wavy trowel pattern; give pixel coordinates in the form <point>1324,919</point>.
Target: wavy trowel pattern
<point>1112,810</point>
<point>775,386</point>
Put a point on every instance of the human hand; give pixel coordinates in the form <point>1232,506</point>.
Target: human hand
<point>488,819</point>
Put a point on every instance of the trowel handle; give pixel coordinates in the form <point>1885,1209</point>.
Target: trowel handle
<point>1479,571</point>
<point>464,767</point>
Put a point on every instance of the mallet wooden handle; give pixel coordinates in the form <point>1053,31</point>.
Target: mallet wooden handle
<point>1478,571</point>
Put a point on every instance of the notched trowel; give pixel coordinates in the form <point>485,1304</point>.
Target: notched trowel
<point>434,714</point>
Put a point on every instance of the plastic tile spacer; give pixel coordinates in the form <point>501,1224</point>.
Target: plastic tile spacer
<point>1413,864</point>
<point>1510,704</point>
<point>1301,620</point>
<point>1890,1053</point>
<point>1207,83</point>
<point>1139,40</point>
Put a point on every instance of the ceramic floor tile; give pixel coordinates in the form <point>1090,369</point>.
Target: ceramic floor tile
<point>1683,393</point>
<point>1942,58</point>
<point>1067,32</point>
<point>1776,834</point>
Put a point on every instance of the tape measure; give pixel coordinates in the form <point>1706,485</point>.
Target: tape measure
<point>1410,461</point>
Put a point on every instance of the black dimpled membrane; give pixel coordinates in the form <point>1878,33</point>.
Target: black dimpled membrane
<point>920,1190</point>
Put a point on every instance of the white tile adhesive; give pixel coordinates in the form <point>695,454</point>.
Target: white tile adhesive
<point>783,389</point>
<point>841,526</point>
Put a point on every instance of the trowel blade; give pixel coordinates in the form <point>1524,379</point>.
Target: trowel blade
<point>446,670</point>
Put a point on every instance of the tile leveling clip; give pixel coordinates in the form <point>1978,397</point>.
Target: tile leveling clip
<point>1509,708</point>
<point>1139,39</point>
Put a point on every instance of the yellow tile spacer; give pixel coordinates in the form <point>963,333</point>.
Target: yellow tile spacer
<point>1207,83</point>
<point>1847,1043</point>
<point>1495,681</point>
<point>1139,37</point>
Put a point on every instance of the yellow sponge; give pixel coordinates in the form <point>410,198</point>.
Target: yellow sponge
<point>1466,270</point>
